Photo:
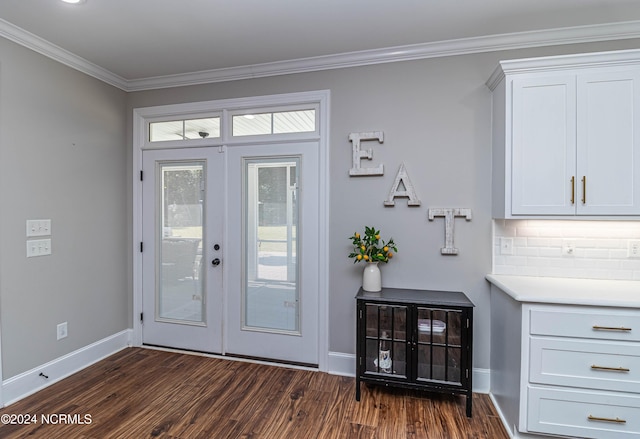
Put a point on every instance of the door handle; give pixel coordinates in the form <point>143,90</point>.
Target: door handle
<point>215,262</point>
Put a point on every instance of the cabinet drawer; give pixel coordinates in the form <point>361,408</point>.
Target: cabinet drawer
<point>583,414</point>
<point>596,323</point>
<point>603,365</point>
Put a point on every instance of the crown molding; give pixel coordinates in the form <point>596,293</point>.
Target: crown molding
<point>563,62</point>
<point>463,46</point>
<point>42,46</point>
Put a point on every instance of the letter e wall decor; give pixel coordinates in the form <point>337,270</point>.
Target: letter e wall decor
<point>358,154</point>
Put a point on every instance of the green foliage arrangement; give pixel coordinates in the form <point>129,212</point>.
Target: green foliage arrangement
<point>371,248</point>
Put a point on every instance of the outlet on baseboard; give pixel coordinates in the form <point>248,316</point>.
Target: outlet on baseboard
<point>61,330</point>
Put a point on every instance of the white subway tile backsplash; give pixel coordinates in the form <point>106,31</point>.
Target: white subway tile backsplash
<point>601,249</point>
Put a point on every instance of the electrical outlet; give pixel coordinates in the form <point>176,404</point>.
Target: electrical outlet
<point>61,330</point>
<point>568,247</point>
<point>506,246</point>
<point>634,249</point>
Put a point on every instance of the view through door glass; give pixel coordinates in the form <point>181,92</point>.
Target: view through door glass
<point>180,292</point>
<point>271,290</point>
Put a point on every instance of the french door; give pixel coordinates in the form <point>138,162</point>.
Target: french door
<point>230,237</point>
<point>272,305</point>
<point>183,219</point>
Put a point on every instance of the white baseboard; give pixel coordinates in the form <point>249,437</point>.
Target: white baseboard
<point>481,380</point>
<point>29,382</point>
<point>345,365</point>
<point>342,364</point>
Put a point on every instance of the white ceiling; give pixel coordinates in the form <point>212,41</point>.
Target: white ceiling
<point>134,40</point>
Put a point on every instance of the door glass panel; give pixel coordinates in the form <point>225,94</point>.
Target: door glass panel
<point>271,289</point>
<point>180,287</point>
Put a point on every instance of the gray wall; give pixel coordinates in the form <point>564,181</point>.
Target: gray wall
<point>63,157</point>
<point>65,154</point>
<point>436,118</point>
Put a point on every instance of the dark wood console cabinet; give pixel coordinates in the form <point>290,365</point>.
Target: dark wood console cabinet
<point>417,339</point>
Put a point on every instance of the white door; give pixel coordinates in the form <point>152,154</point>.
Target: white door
<point>183,191</point>
<point>272,263</point>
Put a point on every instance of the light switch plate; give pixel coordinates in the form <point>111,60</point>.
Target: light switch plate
<point>38,247</point>
<point>38,227</point>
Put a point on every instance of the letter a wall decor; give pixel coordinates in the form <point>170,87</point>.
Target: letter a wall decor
<point>402,180</point>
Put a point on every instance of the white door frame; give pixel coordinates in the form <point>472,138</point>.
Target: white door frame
<point>141,118</point>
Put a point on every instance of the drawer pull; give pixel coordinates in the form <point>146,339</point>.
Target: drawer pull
<point>612,369</point>
<point>616,420</point>
<point>610,328</point>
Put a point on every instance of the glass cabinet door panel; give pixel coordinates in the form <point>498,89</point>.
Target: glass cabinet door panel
<point>453,365</point>
<point>385,319</point>
<point>399,364</point>
<point>372,320</point>
<point>439,326</point>
<point>439,344</point>
<point>400,323</point>
<point>371,355</point>
<point>439,356</point>
<point>386,339</point>
<point>424,362</point>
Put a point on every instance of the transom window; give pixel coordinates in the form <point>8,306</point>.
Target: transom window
<point>185,129</point>
<point>240,123</point>
<point>302,121</point>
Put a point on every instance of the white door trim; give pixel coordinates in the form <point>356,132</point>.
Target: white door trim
<point>141,116</point>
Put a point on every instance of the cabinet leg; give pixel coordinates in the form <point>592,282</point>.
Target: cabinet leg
<point>357,390</point>
<point>469,402</point>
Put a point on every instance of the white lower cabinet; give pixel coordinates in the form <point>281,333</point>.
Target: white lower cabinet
<point>566,369</point>
<point>582,413</point>
<point>582,376</point>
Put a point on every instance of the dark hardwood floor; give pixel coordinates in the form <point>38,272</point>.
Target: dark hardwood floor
<point>143,393</point>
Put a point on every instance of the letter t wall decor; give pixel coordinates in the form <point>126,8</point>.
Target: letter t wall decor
<point>449,214</point>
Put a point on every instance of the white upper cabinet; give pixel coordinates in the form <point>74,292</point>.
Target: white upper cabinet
<point>566,139</point>
<point>608,143</point>
<point>543,146</point>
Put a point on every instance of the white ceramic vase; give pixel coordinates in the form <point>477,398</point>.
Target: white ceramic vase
<point>371,279</point>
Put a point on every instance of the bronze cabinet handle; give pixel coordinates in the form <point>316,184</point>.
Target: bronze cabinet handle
<point>584,189</point>
<point>573,189</point>
<point>616,420</point>
<point>610,328</point>
<point>608,368</point>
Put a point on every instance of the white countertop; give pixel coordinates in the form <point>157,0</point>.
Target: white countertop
<point>621,293</point>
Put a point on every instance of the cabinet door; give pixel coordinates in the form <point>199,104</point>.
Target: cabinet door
<point>440,355</point>
<point>543,146</point>
<point>608,143</point>
<point>385,345</point>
